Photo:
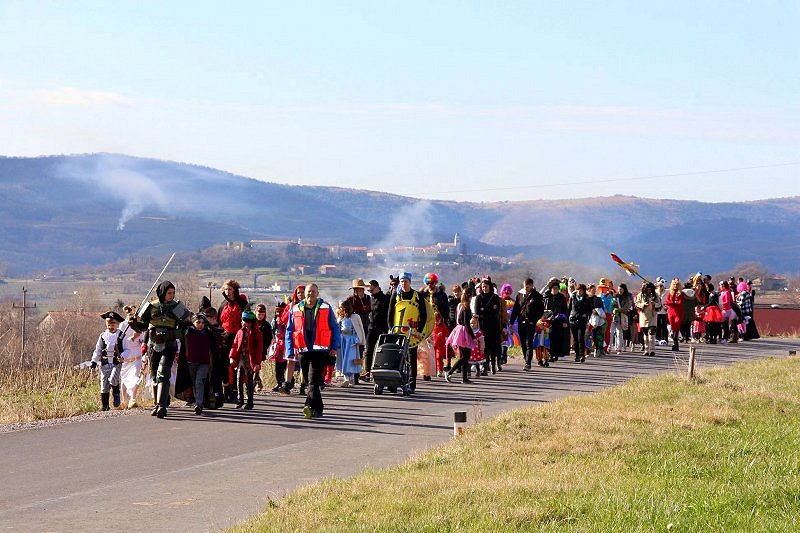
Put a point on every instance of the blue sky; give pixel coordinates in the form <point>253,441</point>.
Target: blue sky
<point>448,100</point>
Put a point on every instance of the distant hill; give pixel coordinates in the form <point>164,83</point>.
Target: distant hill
<point>66,210</point>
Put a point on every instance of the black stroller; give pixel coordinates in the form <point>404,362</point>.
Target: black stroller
<point>390,367</point>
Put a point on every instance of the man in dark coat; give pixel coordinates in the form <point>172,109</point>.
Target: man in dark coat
<point>378,323</point>
<point>528,309</point>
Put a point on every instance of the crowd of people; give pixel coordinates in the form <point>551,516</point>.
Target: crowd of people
<point>312,344</point>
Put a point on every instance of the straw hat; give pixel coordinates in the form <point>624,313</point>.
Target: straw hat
<point>358,283</point>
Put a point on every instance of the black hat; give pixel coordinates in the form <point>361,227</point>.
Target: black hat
<point>161,290</point>
<point>113,315</point>
<point>205,303</point>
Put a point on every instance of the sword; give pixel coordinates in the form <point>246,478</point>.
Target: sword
<point>144,300</point>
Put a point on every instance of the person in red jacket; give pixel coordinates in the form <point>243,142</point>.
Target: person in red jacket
<point>245,357</point>
<point>229,316</point>
<point>674,304</point>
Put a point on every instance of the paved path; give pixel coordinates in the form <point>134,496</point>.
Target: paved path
<point>189,473</point>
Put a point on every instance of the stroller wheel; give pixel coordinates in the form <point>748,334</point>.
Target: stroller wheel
<point>392,389</point>
<point>406,390</point>
<point>378,389</point>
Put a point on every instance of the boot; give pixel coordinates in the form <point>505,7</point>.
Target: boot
<point>163,399</point>
<point>115,392</point>
<point>154,412</point>
<point>104,401</point>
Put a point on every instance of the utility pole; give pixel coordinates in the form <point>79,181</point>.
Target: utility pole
<point>24,308</point>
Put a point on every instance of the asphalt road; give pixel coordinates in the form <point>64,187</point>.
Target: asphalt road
<point>190,473</point>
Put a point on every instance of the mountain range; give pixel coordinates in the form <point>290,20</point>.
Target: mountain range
<point>97,208</point>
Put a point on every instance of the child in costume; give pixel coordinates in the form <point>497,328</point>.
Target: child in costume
<point>439,335</point>
<point>108,355</point>
<point>348,352</point>
<point>277,349</point>
<point>478,357</point>
<point>245,357</point>
<point>698,324</point>
<point>541,339</point>
<point>511,337</point>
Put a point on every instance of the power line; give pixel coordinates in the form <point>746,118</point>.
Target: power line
<point>613,180</point>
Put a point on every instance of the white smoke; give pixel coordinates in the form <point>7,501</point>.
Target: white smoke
<point>411,225</point>
<point>117,179</point>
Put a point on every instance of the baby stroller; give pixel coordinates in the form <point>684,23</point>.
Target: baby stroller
<point>390,368</point>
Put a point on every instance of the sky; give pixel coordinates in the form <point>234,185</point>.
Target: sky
<point>479,101</point>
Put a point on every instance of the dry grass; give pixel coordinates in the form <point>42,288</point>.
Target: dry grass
<point>719,453</point>
<point>42,384</point>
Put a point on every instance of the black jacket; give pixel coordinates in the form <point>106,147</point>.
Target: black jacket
<point>379,310</point>
<point>528,308</point>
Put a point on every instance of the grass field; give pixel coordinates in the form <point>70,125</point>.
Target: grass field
<point>721,453</point>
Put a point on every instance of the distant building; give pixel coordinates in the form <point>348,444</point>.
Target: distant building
<point>62,320</point>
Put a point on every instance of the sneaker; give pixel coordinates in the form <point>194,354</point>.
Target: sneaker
<point>198,409</point>
<point>426,378</point>
<point>277,388</point>
<point>303,390</point>
<point>240,405</point>
<point>316,414</point>
<point>346,384</point>
<point>366,378</point>
<point>131,403</point>
<point>466,380</point>
<point>308,413</point>
<point>248,406</point>
<point>447,377</point>
<point>526,367</point>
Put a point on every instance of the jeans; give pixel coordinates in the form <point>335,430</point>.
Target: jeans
<point>199,375</point>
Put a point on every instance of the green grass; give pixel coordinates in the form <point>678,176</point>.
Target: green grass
<point>721,453</point>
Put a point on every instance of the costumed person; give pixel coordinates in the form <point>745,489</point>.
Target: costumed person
<point>462,338</point>
<point>199,342</point>
<point>726,302</point>
<point>597,320</point>
<point>165,320</point>
<point>277,349</point>
<point>674,304</point>
<point>698,324</point>
<point>219,359</point>
<point>435,293</point>
<point>265,327</point>
<point>713,317</point>
<point>313,332</point>
<point>108,355</point>
<point>555,301</point>
<point>745,299</point>
<point>408,308</point>
<point>488,309</point>
<point>348,353</point>
<point>478,358</point>
<point>661,316</point>
<point>245,357</point>
<point>648,304</point>
<point>439,341</point>
<point>293,359</point>
<point>580,307</point>
<point>361,303</point>
<point>528,308</point>
<point>541,340</point>
<point>131,372</point>
<point>510,336</point>
<point>452,301</point>
<point>605,291</point>
<point>230,318</point>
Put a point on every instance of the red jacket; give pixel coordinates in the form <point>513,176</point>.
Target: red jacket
<point>254,348</point>
<point>230,314</point>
